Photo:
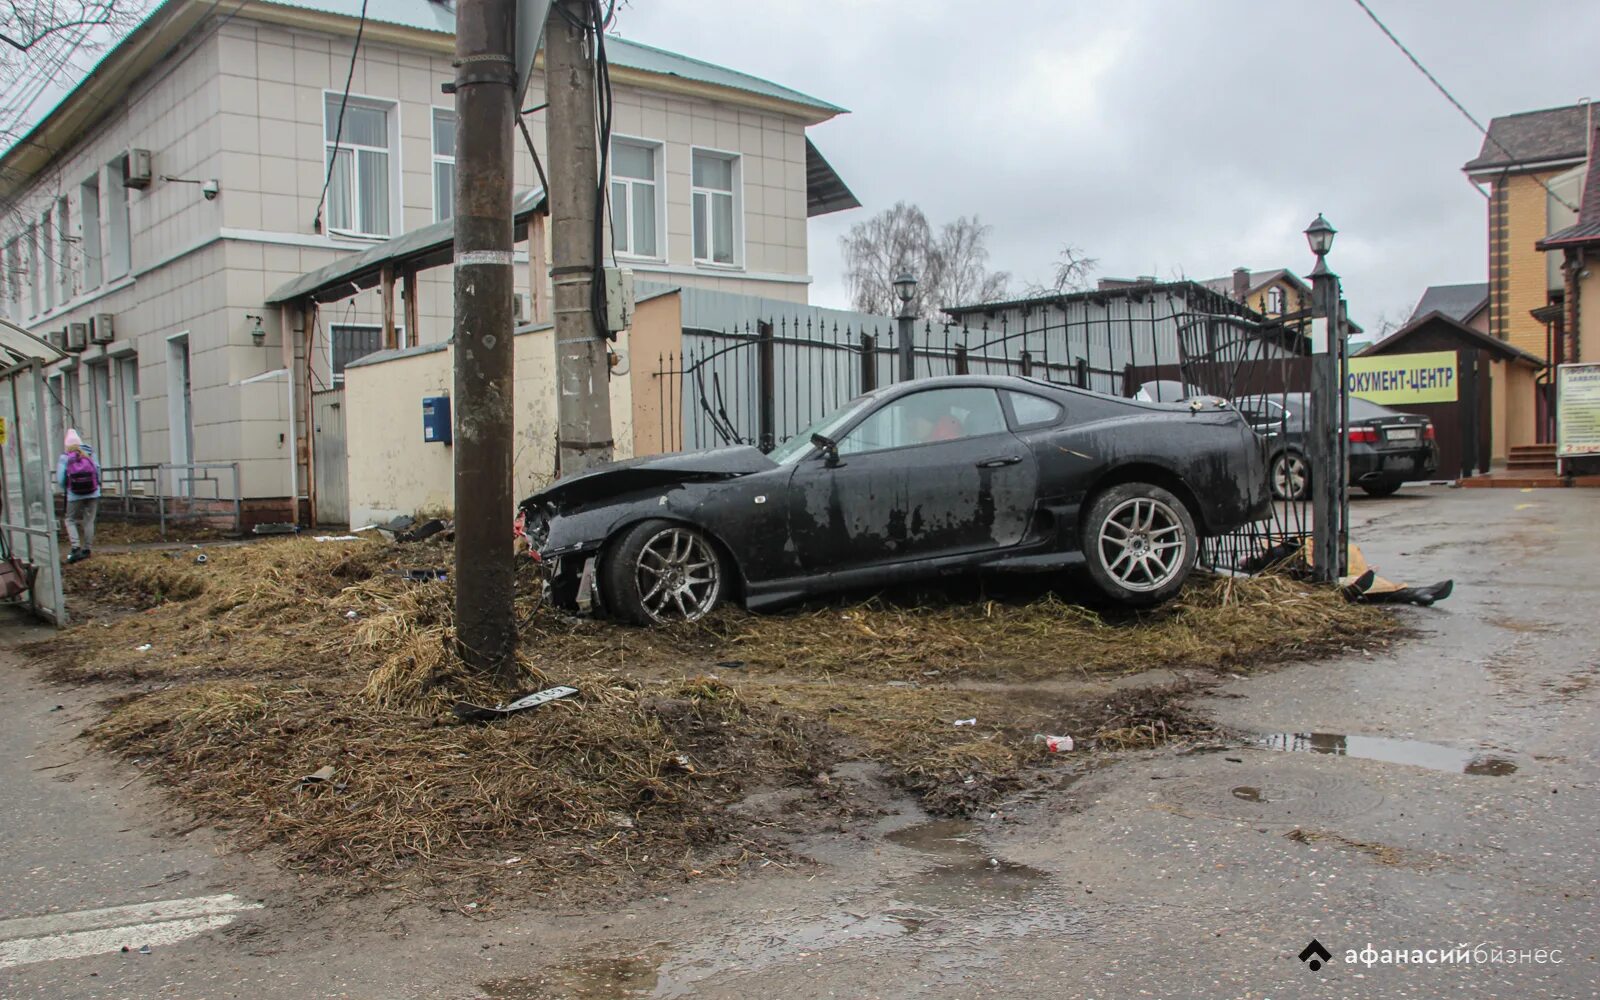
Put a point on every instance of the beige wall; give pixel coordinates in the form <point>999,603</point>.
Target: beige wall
<point>1526,275</point>
<point>1589,310</point>
<point>657,333</point>
<point>393,471</point>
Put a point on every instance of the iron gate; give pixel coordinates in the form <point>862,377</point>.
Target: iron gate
<point>767,381</point>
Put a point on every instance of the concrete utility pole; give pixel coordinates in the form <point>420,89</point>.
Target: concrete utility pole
<point>583,401</point>
<point>485,112</point>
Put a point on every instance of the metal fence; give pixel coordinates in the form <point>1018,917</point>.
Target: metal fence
<point>27,470</point>
<point>767,381</point>
<point>198,493</point>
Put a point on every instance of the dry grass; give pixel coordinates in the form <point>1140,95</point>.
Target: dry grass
<point>274,659</point>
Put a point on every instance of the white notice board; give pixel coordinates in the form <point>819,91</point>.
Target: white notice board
<point>1577,410</point>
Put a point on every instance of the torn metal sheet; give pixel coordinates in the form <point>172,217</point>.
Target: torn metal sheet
<point>466,711</point>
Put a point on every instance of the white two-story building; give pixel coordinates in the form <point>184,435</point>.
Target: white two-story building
<point>147,219</point>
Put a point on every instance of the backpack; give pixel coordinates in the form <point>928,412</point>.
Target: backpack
<point>83,477</point>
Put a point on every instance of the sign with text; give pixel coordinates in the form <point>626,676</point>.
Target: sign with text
<point>1399,379</point>
<point>1577,410</point>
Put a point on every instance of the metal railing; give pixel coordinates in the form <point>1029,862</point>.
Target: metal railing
<point>170,493</point>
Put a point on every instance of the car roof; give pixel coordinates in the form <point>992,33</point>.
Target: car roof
<point>1017,383</point>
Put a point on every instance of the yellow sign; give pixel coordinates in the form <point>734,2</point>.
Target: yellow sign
<point>2,432</point>
<point>1404,378</point>
<point>1577,410</point>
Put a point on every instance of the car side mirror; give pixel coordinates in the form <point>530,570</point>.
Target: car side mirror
<point>828,447</point>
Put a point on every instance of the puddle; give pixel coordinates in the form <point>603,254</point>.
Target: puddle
<point>966,874</point>
<point>1416,753</point>
<point>596,979</point>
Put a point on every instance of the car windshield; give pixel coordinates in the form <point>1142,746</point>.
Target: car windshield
<point>796,447</point>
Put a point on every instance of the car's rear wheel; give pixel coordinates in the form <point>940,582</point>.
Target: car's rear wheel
<point>1381,488</point>
<point>1291,476</point>
<point>659,572</point>
<point>1140,543</point>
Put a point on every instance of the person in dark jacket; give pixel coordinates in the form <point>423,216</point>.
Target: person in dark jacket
<point>78,476</point>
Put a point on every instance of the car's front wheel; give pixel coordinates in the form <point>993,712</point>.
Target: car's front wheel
<point>660,572</point>
<point>1139,542</point>
<point>1291,476</point>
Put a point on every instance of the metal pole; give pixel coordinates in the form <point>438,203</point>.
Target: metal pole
<point>583,401</point>
<point>906,347</point>
<point>485,74</point>
<point>1323,448</point>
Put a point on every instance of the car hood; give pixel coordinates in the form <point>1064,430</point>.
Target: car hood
<point>621,478</point>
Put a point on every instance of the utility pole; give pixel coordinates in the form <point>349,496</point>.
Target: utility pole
<point>583,400</point>
<point>485,112</point>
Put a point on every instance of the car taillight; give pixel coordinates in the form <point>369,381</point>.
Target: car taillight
<point>1363,435</point>
<point>1427,432</point>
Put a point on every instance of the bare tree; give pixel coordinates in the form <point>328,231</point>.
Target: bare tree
<point>1074,269</point>
<point>46,45</point>
<point>951,266</point>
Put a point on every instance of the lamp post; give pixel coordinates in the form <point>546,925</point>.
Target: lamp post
<point>905,289</point>
<point>1328,447</point>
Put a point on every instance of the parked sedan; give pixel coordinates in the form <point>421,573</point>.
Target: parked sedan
<point>1387,448</point>
<point>914,480</point>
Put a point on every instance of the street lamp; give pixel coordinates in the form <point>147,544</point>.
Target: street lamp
<point>1320,235</point>
<point>1328,447</point>
<point>905,288</point>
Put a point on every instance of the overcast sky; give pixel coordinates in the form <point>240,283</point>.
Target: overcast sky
<point>1165,137</point>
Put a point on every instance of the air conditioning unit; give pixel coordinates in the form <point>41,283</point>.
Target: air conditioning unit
<point>77,336</point>
<point>57,339</point>
<point>101,329</point>
<point>136,169</point>
<point>522,307</point>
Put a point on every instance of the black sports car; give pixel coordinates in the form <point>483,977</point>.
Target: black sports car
<point>1387,448</point>
<point>913,480</point>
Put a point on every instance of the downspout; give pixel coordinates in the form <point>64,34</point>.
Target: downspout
<point>286,331</point>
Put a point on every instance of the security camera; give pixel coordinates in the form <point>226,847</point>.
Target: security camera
<point>211,189</point>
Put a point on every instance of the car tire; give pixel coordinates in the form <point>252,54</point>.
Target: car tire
<point>1139,542</point>
<point>1381,489</point>
<point>659,572</point>
<point>1290,476</point>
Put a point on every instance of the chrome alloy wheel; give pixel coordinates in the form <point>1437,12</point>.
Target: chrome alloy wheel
<point>1142,544</point>
<point>1289,477</point>
<point>679,576</point>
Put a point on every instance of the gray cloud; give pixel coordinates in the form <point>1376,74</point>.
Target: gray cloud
<point>1163,137</point>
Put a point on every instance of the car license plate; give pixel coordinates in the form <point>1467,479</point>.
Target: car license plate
<point>1401,434</point>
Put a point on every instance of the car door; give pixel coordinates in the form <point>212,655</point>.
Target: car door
<point>925,475</point>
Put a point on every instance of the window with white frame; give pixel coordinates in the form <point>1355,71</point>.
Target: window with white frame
<point>444,164</point>
<point>64,240</point>
<point>349,342</point>
<point>636,202</point>
<point>89,242</point>
<point>12,292</point>
<point>119,230</point>
<point>47,262</point>
<point>1274,300</point>
<point>714,193</point>
<point>361,178</point>
<point>32,240</point>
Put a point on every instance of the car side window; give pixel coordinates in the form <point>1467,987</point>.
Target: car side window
<point>1032,411</point>
<point>928,417</point>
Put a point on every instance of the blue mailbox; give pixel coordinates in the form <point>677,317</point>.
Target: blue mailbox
<point>436,419</point>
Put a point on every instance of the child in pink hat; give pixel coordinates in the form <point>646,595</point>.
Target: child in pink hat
<point>78,476</point>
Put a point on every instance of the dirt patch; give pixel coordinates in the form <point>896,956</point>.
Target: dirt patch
<point>1383,854</point>
<point>237,677</point>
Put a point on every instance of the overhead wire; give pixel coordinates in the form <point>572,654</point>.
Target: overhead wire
<point>1457,104</point>
<point>338,130</point>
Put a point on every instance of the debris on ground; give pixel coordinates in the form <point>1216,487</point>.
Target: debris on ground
<point>276,528</point>
<point>422,532</point>
<point>1054,744</point>
<point>466,711</point>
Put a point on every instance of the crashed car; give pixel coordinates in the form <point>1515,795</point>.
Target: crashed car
<point>917,479</point>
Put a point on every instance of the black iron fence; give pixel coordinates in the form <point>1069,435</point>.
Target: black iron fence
<point>765,382</point>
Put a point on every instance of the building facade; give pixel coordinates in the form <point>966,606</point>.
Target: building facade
<point>214,155</point>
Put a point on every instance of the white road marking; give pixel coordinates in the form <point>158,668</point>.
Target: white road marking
<point>25,940</point>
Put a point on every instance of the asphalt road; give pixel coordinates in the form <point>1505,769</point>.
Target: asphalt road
<point>1447,801</point>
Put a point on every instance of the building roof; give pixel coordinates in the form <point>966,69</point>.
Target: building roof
<point>1459,302</point>
<point>168,25</point>
<point>1586,230</point>
<point>1533,139</point>
<point>430,246</point>
<point>1469,336</point>
<point>1095,295</point>
<point>1258,281</point>
<point>826,191</point>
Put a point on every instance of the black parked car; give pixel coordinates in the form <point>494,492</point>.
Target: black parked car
<point>913,480</point>
<point>1387,448</point>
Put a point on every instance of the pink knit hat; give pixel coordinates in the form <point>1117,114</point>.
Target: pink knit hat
<point>73,440</point>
